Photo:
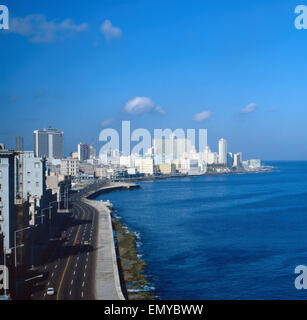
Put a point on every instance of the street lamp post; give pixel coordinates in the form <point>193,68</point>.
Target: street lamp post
<point>35,226</point>
<point>15,236</point>
<point>15,244</point>
<point>5,279</point>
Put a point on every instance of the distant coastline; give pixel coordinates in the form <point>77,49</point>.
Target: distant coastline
<point>263,169</point>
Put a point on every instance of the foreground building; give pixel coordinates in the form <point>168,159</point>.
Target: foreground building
<point>7,198</point>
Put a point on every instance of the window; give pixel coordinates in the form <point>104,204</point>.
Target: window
<point>0,174</point>
<point>0,199</point>
<point>0,186</point>
<point>36,165</point>
<point>37,184</point>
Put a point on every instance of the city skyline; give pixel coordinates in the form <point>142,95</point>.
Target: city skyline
<point>189,71</point>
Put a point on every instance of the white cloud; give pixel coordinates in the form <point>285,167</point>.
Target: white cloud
<point>142,105</point>
<point>160,110</point>
<point>250,108</point>
<point>39,30</point>
<point>107,123</point>
<point>110,32</point>
<point>139,105</point>
<point>202,116</point>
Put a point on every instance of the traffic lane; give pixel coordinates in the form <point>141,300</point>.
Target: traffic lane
<point>76,283</point>
<point>65,252</point>
<point>88,256</point>
<point>64,291</point>
<point>58,260</point>
<point>90,288</point>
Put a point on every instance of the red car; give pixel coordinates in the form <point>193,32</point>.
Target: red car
<point>77,243</point>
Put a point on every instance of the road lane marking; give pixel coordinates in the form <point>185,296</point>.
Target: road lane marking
<point>68,260</point>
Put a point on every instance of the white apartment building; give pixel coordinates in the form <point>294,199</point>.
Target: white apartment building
<point>223,152</point>
<point>168,149</point>
<point>70,167</point>
<point>127,161</point>
<point>145,165</point>
<point>254,163</point>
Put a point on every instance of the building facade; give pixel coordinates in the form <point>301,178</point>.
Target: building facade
<point>49,143</point>
<point>167,168</point>
<point>70,167</point>
<point>7,197</point>
<point>237,160</point>
<point>223,152</point>
<point>145,166</point>
<point>84,151</point>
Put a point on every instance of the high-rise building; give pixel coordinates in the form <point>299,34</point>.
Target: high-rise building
<point>49,143</point>
<point>166,149</point>
<point>237,160</point>
<point>229,159</point>
<point>223,152</point>
<point>7,197</point>
<point>83,151</point>
<point>92,152</point>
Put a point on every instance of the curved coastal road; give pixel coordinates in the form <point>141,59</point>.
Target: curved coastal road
<point>70,268</point>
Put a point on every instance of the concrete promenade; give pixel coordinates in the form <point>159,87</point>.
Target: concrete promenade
<point>108,285</point>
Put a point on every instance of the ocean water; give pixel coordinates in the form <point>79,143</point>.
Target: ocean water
<point>221,237</point>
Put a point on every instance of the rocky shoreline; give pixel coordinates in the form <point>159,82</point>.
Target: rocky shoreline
<point>131,265</point>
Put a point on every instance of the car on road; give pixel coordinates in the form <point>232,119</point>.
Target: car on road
<point>77,243</point>
<point>50,292</point>
<point>86,243</point>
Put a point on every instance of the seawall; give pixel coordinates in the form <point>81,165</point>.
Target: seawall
<point>108,286</point>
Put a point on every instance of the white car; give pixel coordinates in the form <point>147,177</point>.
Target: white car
<point>50,292</point>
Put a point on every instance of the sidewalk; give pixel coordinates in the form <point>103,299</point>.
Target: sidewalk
<point>107,276</point>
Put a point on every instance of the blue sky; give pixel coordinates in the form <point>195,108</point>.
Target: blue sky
<point>185,57</point>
